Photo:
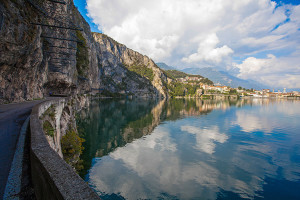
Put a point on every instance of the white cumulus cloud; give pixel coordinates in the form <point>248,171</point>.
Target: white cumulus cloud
<point>272,71</point>
<point>207,51</point>
<point>198,33</point>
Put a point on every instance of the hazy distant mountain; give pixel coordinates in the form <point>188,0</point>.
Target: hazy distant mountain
<point>164,66</point>
<point>179,74</point>
<point>218,77</point>
<point>224,78</point>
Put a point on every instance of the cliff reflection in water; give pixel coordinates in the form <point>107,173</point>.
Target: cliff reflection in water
<point>105,125</point>
<point>108,124</point>
<point>193,149</point>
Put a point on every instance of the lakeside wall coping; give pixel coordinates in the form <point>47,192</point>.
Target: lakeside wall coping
<point>52,177</point>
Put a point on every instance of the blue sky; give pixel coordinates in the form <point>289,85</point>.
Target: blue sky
<point>81,5</point>
<point>257,39</point>
<point>293,2</point>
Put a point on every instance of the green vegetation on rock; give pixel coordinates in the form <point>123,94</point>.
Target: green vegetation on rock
<point>142,71</point>
<point>174,74</point>
<point>178,74</point>
<point>107,93</point>
<point>71,145</point>
<point>49,112</point>
<point>213,92</point>
<point>207,81</point>
<point>191,89</point>
<point>176,89</point>
<point>206,96</point>
<point>48,129</point>
<point>180,89</point>
<point>82,57</point>
<point>134,76</point>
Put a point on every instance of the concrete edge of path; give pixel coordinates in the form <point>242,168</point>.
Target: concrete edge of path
<point>13,185</point>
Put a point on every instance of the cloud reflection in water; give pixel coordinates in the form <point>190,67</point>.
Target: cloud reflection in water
<point>203,157</point>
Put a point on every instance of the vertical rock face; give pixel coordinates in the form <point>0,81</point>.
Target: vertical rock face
<point>117,58</point>
<point>58,121</point>
<point>48,47</point>
<point>21,71</point>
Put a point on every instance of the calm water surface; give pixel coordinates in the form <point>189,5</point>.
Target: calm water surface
<point>192,149</point>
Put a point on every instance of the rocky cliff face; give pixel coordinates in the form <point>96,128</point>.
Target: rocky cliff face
<point>131,70</point>
<point>59,125</point>
<point>21,71</point>
<point>48,47</point>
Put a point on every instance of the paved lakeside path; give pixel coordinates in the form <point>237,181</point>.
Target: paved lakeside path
<point>12,116</point>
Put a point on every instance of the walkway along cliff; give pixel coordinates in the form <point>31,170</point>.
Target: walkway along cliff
<point>47,48</point>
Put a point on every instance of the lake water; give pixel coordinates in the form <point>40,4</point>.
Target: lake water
<point>192,149</point>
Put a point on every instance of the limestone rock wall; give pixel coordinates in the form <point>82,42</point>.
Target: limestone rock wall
<point>58,118</point>
<point>120,57</point>
<point>22,73</point>
<point>36,60</point>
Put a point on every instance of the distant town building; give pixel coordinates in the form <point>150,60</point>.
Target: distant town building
<point>216,88</point>
<point>199,92</point>
<point>189,78</point>
<point>267,90</point>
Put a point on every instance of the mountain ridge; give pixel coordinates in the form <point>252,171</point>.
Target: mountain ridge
<point>219,77</point>
<point>164,66</point>
<point>224,78</point>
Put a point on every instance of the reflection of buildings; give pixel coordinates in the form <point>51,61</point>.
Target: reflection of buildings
<point>221,89</point>
<point>204,160</point>
<point>195,107</point>
<point>265,93</point>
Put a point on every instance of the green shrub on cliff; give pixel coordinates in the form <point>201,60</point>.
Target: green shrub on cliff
<point>51,112</point>
<point>142,70</point>
<point>71,145</point>
<point>82,59</point>
<point>48,129</point>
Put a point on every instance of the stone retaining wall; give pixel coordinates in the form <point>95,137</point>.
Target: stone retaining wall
<point>52,177</point>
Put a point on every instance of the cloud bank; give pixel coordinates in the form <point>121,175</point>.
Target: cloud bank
<point>198,33</point>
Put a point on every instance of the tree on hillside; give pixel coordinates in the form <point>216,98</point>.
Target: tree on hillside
<point>232,91</point>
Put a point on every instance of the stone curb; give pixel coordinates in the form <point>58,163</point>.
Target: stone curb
<point>13,185</point>
<point>52,177</point>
